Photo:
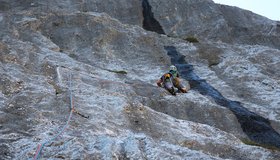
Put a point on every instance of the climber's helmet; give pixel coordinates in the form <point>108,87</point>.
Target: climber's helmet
<point>173,68</point>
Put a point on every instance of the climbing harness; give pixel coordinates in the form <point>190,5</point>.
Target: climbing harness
<point>40,146</point>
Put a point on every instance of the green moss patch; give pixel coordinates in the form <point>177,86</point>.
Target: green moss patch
<point>252,143</point>
<point>117,71</point>
<point>191,39</point>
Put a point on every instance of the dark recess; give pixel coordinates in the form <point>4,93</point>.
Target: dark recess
<point>149,22</point>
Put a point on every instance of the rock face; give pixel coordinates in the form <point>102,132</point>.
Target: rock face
<point>206,20</point>
<point>102,58</point>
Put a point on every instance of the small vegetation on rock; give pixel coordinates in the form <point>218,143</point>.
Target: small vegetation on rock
<point>191,39</point>
<point>252,143</point>
<point>116,71</point>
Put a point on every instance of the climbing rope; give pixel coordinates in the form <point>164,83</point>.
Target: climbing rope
<point>40,146</point>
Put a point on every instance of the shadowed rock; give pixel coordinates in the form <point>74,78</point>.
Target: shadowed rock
<point>149,22</point>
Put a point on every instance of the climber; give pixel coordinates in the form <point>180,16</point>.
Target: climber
<point>170,80</point>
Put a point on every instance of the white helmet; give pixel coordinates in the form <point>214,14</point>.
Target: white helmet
<point>172,68</point>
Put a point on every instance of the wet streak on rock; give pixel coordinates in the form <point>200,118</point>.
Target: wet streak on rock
<point>256,127</point>
<point>149,22</point>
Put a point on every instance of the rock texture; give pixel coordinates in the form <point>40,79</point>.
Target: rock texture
<point>207,20</point>
<point>105,57</point>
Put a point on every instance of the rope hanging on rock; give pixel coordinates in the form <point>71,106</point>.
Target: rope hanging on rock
<point>40,146</point>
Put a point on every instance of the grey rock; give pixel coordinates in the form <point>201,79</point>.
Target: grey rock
<point>203,19</point>
<point>114,64</point>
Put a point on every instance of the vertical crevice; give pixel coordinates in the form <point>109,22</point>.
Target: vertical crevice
<point>257,128</point>
<point>149,22</point>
